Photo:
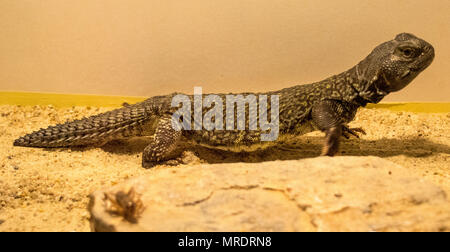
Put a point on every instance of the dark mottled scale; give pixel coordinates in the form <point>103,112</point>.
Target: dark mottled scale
<point>325,105</point>
<point>91,130</point>
<point>295,106</point>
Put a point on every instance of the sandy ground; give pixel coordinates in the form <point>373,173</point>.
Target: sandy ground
<point>47,190</point>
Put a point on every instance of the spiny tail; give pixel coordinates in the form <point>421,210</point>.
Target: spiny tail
<point>92,130</point>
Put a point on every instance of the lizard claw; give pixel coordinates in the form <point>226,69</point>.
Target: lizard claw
<point>347,132</point>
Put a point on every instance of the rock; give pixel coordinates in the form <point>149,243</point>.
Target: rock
<point>318,194</point>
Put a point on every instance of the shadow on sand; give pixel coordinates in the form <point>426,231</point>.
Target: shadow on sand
<point>293,149</point>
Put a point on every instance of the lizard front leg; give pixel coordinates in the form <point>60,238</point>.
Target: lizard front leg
<point>330,116</point>
<point>164,142</point>
<point>331,144</point>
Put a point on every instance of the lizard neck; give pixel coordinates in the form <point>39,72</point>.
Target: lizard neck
<point>368,84</point>
<point>353,87</point>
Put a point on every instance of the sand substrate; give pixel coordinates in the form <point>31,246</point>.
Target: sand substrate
<point>47,189</point>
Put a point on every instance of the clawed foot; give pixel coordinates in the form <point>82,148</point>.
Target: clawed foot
<point>348,132</point>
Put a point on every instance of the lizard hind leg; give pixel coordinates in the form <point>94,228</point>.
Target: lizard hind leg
<point>163,145</point>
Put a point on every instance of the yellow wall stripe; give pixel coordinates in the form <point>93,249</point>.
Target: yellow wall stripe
<point>69,100</point>
<point>65,100</point>
<point>420,107</point>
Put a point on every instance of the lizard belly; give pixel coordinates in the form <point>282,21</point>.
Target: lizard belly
<point>242,140</point>
<point>224,137</point>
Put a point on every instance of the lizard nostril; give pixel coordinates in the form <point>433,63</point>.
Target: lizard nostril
<point>428,48</point>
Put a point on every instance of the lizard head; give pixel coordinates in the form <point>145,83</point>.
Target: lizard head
<point>392,65</point>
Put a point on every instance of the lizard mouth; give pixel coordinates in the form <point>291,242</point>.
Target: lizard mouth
<point>420,66</point>
<point>406,74</point>
<point>409,72</point>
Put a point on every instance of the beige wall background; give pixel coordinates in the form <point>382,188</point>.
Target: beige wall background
<point>150,47</point>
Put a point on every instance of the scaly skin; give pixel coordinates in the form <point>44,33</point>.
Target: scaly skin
<point>327,105</point>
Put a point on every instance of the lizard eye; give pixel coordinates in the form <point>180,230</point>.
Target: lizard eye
<point>407,52</point>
